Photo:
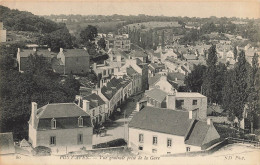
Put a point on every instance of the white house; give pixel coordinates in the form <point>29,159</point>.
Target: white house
<point>165,131</point>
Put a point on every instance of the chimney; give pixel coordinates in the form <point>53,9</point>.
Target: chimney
<point>18,50</point>
<point>94,66</point>
<point>85,105</point>
<point>61,50</point>
<point>49,49</point>
<point>209,122</point>
<point>34,49</point>
<point>190,114</point>
<point>170,101</point>
<point>34,112</point>
<point>176,79</point>
<point>78,98</point>
<point>118,58</point>
<point>95,91</point>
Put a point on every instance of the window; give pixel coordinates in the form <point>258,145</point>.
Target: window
<point>154,140</point>
<point>154,150</point>
<point>194,102</point>
<point>53,124</point>
<point>169,142</point>
<point>80,138</point>
<point>140,147</point>
<point>80,121</point>
<point>141,138</point>
<point>93,112</point>
<point>53,140</point>
<point>187,149</point>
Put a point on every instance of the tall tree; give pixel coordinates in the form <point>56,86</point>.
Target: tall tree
<point>252,106</point>
<point>102,43</point>
<point>240,93</point>
<point>209,83</point>
<point>194,80</point>
<point>235,53</point>
<point>88,34</point>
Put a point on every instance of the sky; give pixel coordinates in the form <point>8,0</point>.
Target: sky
<point>190,8</point>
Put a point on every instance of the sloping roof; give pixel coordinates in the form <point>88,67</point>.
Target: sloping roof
<point>138,53</point>
<point>172,75</point>
<point>161,120</point>
<point>75,52</point>
<point>60,110</point>
<point>190,57</point>
<point>154,79</point>
<point>157,94</point>
<point>197,134</point>
<point>6,143</point>
<point>43,52</point>
<point>91,98</point>
<point>130,71</point>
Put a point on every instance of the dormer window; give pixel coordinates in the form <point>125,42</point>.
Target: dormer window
<point>80,121</point>
<point>53,123</point>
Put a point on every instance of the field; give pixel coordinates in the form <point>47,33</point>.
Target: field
<point>101,26</point>
<point>155,24</point>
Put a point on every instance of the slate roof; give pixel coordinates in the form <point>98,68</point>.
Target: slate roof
<point>44,52</point>
<point>199,130</point>
<point>6,143</point>
<point>66,115</point>
<point>173,75</point>
<point>161,120</point>
<point>113,86</point>
<point>130,71</point>
<point>154,79</point>
<point>138,53</point>
<point>157,94</point>
<point>60,110</point>
<point>91,98</point>
<point>190,57</point>
<point>75,52</point>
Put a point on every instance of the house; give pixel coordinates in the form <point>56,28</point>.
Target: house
<point>186,101</point>
<point>7,144</point>
<point>2,33</point>
<point>176,78</point>
<point>139,54</point>
<point>23,56</point>
<point>160,82</point>
<point>164,131</point>
<point>154,68</point>
<point>60,126</point>
<point>115,92</point>
<point>75,61</point>
<point>190,57</point>
<point>96,107</point>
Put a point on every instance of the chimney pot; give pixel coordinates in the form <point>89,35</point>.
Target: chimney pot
<point>209,122</point>
<point>85,105</point>
<point>34,49</point>
<point>49,49</point>
<point>34,112</point>
<point>61,49</point>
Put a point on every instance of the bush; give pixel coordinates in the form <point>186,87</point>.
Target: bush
<point>42,151</point>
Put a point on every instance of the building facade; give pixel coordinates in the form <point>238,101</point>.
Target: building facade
<point>63,126</point>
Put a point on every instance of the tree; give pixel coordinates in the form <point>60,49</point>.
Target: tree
<point>163,42</point>
<point>194,80</point>
<point>252,106</point>
<point>235,53</point>
<point>227,95</point>
<point>102,43</point>
<point>209,83</point>
<point>88,34</point>
<point>240,93</point>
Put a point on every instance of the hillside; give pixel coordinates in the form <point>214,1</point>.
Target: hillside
<point>15,20</point>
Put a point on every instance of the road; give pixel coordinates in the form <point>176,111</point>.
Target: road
<point>119,128</point>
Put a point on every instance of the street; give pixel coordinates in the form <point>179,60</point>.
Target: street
<point>118,129</point>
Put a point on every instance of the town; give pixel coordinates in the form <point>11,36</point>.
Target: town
<point>116,87</point>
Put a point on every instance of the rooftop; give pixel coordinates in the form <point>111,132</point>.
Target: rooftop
<point>189,94</point>
<point>75,52</point>
<point>91,98</point>
<point>157,94</point>
<point>161,120</point>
